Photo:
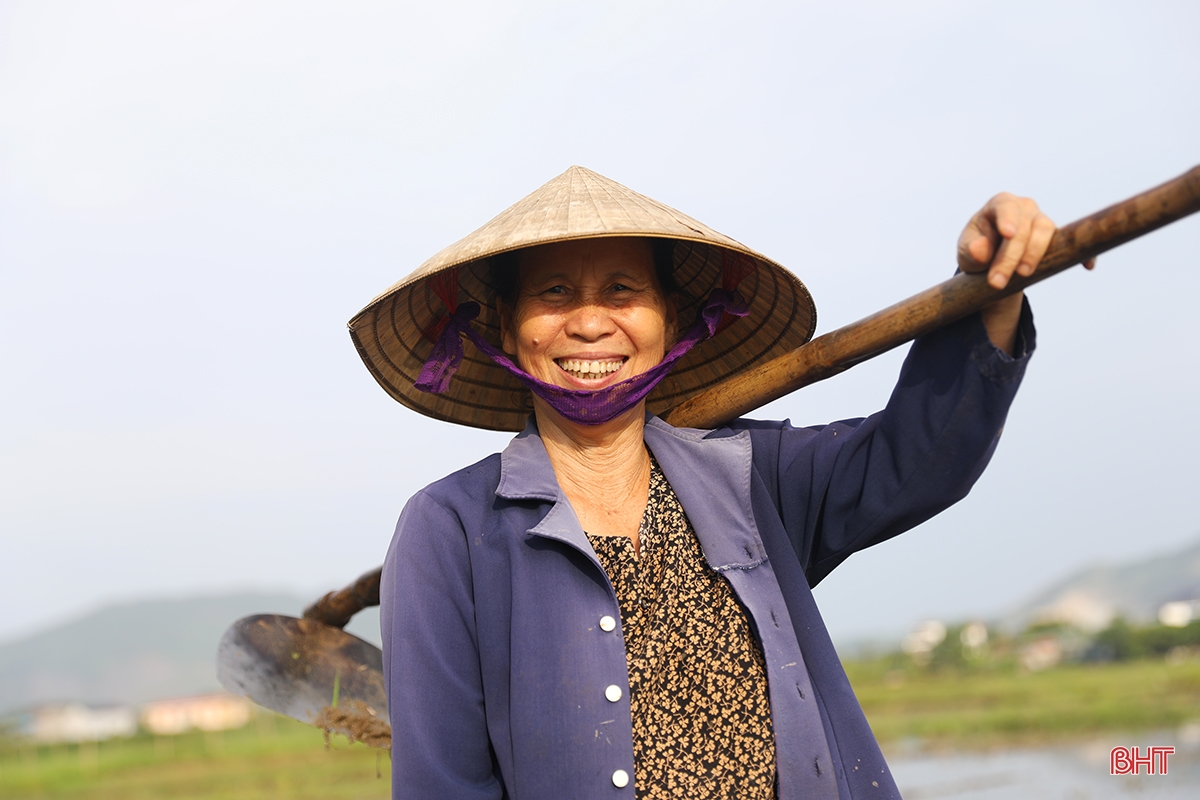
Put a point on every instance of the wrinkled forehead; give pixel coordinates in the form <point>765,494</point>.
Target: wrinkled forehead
<point>598,257</point>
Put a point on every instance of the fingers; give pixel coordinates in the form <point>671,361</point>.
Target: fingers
<point>1022,252</point>
<point>1016,219</point>
<point>978,242</point>
<point>1007,237</point>
<point>1039,242</point>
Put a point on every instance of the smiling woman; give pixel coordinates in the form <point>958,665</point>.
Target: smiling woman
<point>615,607</point>
<point>589,313</point>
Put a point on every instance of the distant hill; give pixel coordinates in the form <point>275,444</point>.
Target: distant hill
<point>1091,597</point>
<point>135,652</point>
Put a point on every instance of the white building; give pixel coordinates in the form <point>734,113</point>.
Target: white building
<point>75,722</point>
<point>1179,613</point>
<point>208,712</point>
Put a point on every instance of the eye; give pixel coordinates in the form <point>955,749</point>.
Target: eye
<point>558,289</point>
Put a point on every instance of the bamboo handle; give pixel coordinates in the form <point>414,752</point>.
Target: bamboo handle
<point>954,299</point>
<point>336,608</point>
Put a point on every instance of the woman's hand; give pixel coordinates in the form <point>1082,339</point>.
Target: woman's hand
<point>1008,236</point>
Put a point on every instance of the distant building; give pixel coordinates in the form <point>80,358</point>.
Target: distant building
<point>75,722</point>
<point>208,712</point>
<point>1040,654</point>
<point>1179,614</point>
<point>1079,608</point>
<point>920,643</point>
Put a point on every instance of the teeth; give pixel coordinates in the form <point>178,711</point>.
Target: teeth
<point>582,367</point>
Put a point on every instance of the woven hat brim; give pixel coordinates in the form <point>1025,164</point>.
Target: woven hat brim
<point>392,332</point>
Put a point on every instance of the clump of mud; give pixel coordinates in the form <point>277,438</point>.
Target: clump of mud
<point>356,721</point>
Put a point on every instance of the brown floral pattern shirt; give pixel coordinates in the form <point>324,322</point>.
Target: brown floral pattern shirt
<point>697,679</point>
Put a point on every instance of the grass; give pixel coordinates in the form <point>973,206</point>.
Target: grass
<point>1005,707</point>
<point>277,758</point>
<point>274,758</point>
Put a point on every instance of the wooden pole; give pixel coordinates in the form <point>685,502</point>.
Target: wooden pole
<point>841,349</point>
<point>336,608</point>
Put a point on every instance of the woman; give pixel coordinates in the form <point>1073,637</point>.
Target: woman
<point>615,607</point>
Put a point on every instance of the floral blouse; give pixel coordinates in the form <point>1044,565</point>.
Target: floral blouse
<point>697,679</point>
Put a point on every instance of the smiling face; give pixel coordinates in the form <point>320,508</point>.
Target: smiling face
<point>589,313</point>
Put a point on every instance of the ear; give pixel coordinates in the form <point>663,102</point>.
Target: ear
<point>508,342</point>
<point>672,320</point>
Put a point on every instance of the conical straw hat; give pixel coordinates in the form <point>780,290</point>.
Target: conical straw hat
<point>391,332</point>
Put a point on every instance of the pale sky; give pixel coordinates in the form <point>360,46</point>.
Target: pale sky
<point>196,196</point>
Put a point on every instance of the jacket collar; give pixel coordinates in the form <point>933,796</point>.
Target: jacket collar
<point>710,475</point>
<point>527,474</point>
<point>525,469</point>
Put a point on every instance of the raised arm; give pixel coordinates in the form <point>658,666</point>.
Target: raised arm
<point>849,485</point>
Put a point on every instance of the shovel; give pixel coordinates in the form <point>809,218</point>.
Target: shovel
<point>311,670</point>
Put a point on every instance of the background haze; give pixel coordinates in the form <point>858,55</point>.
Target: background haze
<point>196,196</point>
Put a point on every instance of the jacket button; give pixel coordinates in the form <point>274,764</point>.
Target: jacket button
<point>607,623</point>
<point>620,779</point>
<point>613,693</point>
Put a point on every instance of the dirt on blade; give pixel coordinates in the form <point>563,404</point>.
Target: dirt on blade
<point>356,721</point>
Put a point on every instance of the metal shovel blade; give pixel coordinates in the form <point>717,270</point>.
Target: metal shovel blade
<point>308,671</point>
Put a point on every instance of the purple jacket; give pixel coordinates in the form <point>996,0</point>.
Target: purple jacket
<point>495,660</point>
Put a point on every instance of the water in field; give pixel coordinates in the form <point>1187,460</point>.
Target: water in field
<point>1079,772</point>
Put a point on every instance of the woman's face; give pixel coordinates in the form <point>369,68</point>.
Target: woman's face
<point>589,313</point>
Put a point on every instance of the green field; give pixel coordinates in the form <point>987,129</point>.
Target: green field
<point>1005,707</point>
<point>952,708</point>
<point>273,757</point>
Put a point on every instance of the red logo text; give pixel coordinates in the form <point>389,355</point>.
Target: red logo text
<point>1129,760</point>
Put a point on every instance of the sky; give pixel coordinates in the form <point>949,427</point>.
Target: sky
<point>196,196</point>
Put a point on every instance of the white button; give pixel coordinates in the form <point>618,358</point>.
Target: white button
<point>607,623</point>
<point>613,693</point>
<point>620,779</point>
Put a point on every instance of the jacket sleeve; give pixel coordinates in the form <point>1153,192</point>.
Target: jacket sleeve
<point>843,487</point>
<point>440,745</point>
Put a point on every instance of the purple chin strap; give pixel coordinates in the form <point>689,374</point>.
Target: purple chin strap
<point>581,406</point>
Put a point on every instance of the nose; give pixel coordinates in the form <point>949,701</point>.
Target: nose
<point>589,321</point>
